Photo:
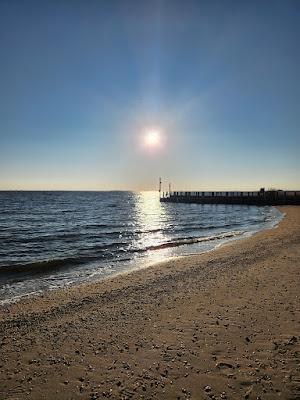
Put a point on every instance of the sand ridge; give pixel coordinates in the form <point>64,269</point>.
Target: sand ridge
<point>221,325</point>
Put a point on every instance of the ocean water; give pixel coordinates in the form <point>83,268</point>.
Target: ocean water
<point>50,240</point>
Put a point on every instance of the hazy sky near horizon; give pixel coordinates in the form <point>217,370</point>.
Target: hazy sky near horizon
<point>82,81</point>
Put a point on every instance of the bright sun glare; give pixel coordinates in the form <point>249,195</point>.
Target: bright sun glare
<point>152,138</point>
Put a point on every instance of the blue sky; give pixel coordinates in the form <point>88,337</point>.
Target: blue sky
<point>82,81</point>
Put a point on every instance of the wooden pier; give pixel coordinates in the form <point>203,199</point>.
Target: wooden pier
<point>259,198</point>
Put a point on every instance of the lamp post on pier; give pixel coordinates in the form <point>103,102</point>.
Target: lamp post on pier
<point>159,187</point>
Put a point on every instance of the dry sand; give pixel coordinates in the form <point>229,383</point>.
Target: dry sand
<point>222,325</point>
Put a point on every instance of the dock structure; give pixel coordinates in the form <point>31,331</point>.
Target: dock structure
<point>260,198</point>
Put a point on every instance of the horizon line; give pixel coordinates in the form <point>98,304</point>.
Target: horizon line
<point>145,190</point>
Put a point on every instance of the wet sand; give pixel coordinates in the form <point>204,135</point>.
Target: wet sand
<point>221,325</point>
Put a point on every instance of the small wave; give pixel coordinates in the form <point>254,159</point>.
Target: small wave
<point>42,266</point>
<point>190,228</point>
<point>185,241</point>
<point>106,246</point>
<point>97,225</point>
<point>43,238</point>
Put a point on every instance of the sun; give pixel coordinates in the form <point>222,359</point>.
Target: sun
<point>152,138</point>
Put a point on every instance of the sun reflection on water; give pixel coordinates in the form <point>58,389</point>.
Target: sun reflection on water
<point>152,223</point>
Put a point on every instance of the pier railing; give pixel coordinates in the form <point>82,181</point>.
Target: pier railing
<point>262,197</point>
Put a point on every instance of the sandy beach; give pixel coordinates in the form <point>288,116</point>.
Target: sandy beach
<point>221,325</point>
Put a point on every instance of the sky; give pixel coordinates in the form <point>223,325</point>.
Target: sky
<point>82,83</point>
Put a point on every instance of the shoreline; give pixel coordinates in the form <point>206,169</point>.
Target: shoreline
<point>220,324</point>
<point>141,264</point>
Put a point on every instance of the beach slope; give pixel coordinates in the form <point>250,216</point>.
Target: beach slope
<point>221,325</point>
